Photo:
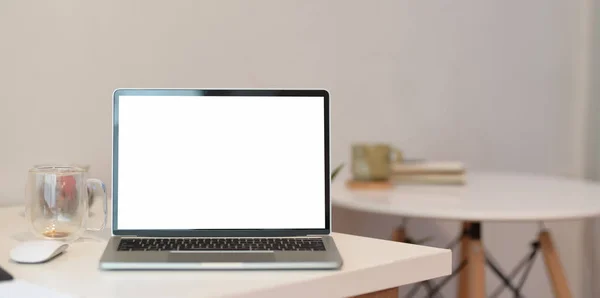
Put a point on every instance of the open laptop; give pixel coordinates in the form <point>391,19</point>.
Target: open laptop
<point>220,179</point>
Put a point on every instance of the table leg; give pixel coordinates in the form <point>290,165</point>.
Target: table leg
<point>399,234</point>
<point>465,248</point>
<point>389,293</point>
<point>554,267</point>
<point>476,263</point>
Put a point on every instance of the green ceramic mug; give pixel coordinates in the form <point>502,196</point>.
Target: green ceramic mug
<point>373,162</point>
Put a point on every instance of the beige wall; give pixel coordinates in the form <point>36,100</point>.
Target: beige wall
<point>487,82</point>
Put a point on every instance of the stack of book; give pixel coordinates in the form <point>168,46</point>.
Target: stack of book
<point>428,172</point>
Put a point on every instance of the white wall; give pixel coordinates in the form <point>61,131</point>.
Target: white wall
<point>487,82</point>
<point>592,236</point>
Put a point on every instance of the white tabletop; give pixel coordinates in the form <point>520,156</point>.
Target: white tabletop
<point>369,265</point>
<point>485,197</point>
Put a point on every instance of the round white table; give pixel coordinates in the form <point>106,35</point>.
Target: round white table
<point>486,197</point>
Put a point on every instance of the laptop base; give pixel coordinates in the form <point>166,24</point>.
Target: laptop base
<point>112,259</point>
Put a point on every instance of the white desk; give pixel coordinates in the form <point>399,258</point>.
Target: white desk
<point>486,197</point>
<point>370,265</point>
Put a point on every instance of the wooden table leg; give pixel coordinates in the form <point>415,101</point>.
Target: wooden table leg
<point>389,293</point>
<point>465,248</point>
<point>476,263</point>
<point>399,234</point>
<point>476,270</point>
<point>554,267</point>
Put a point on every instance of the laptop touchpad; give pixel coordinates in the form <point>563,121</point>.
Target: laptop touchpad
<point>221,257</point>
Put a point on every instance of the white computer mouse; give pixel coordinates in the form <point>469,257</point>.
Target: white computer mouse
<point>37,251</point>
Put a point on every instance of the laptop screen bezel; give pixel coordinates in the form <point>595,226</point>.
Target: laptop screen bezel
<point>219,232</point>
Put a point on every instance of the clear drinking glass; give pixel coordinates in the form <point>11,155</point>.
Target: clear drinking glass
<point>58,201</point>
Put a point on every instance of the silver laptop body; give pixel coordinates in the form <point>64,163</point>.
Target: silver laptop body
<point>221,179</point>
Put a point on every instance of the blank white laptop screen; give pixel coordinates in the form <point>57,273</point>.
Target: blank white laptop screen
<point>221,162</point>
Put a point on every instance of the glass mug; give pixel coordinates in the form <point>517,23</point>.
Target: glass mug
<point>59,199</point>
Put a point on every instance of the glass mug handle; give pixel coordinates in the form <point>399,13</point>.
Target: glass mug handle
<point>97,186</point>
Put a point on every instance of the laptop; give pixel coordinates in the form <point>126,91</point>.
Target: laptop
<point>220,179</point>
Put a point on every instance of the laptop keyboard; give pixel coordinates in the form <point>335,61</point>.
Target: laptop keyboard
<point>221,244</point>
